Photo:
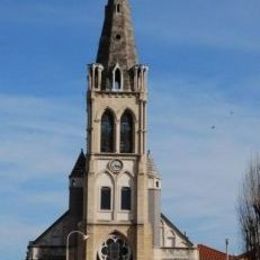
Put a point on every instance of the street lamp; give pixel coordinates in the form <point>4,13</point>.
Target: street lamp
<point>227,243</point>
<point>85,237</point>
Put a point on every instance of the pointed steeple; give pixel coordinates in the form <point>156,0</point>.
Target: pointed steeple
<point>116,68</point>
<point>117,44</point>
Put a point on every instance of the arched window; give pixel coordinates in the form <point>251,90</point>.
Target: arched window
<point>117,79</point>
<point>126,198</point>
<point>105,200</point>
<point>96,77</point>
<point>107,132</point>
<point>171,239</point>
<point>118,8</point>
<point>126,133</point>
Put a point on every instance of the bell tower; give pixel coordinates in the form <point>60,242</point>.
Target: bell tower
<point>119,192</point>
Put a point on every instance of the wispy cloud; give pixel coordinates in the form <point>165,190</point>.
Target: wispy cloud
<point>14,237</point>
<point>40,141</point>
<point>38,130</point>
<point>222,24</point>
<point>46,12</point>
<point>202,141</point>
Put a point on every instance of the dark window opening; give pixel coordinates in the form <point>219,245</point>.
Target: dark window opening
<point>126,198</point>
<point>127,135</point>
<point>118,37</point>
<point>157,184</point>
<point>117,79</point>
<point>118,8</point>
<point>107,132</point>
<point>96,78</point>
<point>106,198</point>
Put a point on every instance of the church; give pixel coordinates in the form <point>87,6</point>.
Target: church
<point>114,188</point>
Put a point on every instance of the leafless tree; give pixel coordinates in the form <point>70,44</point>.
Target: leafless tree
<point>249,210</point>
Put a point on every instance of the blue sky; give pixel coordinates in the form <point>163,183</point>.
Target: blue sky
<point>204,71</point>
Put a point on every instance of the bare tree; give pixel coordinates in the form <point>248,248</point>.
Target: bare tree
<point>249,210</point>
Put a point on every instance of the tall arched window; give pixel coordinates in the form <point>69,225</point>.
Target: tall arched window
<point>126,198</point>
<point>117,79</point>
<point>105,200</point>
<point>96,77</point>
<point>107,132</point>
<point>118,8</point>
<point>126,133</point>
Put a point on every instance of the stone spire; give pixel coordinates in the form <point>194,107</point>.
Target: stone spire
<point>117,44</point>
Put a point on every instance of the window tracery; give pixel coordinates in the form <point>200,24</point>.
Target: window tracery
<point>126,133</point>
<point>107,132</point>
<point>115,248</point>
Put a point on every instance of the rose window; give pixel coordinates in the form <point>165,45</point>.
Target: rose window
<point>115,248</point>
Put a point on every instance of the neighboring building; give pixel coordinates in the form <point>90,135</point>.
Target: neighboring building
<point>114,193</point>
<point>207,253</point>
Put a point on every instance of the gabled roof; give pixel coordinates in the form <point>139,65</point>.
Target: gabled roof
<point>183,236</point>
<point>207,253</point>
<point>79,167</point>
<point>49,229</point>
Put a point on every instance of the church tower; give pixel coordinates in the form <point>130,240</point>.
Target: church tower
<point>121,198</point>
<point>114,189</point>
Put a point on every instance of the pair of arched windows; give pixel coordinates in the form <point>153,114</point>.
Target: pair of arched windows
<point>106,194</point>
<point>108,135</point>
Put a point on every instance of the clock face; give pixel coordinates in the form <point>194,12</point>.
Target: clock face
<point>116,166</point>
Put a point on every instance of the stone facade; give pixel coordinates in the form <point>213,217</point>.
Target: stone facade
<point>115,187</point>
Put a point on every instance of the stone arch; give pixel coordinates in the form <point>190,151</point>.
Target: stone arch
<point>100,113</point>
<point>126,191</point>
<point>125,174</point>
<point>129,110</point>
<point>106,172</point>
<point>171,237</point>
<point>105,183</point>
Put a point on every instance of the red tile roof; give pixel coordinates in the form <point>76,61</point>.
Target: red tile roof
<point>207,253</point>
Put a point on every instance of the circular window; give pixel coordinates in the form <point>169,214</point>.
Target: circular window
<point>115,166</point>
<point>115,248</point>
